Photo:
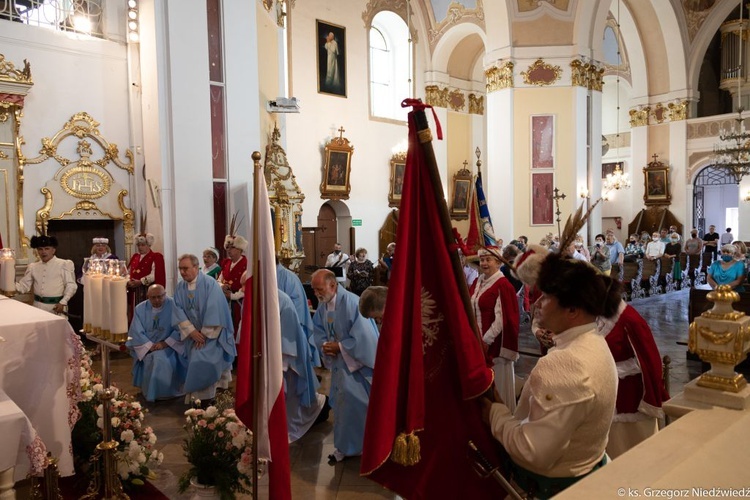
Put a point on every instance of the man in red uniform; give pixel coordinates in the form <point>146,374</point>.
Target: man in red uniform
<point>496,309</point>
<point>146,268</point>
<point>230,277</point>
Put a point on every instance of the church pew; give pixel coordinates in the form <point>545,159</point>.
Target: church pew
<point>631,279</point>
<point>650,277</point>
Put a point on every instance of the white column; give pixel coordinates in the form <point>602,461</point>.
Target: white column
<point>678,163</point>
<point>498,161</point>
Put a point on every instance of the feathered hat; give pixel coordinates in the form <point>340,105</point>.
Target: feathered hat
<point>233,239</point>
<point>143,236</point>
<point>43,240</point>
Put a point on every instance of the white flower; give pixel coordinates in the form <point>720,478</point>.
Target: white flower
<point>136,405</point>
<point>141,458</point>
<point>160,458</point>
<point>98,387</point>
<point>87,395</point>
<point>152,438</point>
<point>134,467</point>
<point>232,427</point>
<point>197,402</point>
<point>100,411</point>
<point>100,423</point>
<point>122,469</point>
<point>211,412</point>
<point>115,421</point>
<point>238,441</point>
<point>190,412</point>
<point>127,436</point>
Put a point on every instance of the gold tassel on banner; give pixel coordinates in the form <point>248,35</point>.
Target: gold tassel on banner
<point>406,449</point>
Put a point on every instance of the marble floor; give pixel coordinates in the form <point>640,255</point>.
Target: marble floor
<point>312,477</point>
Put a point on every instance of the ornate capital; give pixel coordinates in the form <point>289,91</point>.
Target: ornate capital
<point>639,117</point>
<point>436,96</point>
<point>476,104</point>
<point>499,78</point>
<point>9,73</point>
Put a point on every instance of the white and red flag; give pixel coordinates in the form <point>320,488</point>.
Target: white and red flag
<point>260,388</point>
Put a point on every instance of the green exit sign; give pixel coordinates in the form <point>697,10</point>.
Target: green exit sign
<point>356,222</point>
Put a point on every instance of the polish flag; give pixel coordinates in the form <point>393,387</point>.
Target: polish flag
<point>261,325</point>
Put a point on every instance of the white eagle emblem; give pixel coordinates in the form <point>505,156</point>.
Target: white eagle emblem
<point>430,320</point>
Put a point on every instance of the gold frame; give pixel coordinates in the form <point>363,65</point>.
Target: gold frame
<point>397,179</point>
<point>336,184</point>
<point>656,189</point>
<point>464,177</point>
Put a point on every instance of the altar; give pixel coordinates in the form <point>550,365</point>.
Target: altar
<point>40,373</point>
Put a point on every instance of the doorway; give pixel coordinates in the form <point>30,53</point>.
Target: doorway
<point>714,191</point>
<point>74,243</point>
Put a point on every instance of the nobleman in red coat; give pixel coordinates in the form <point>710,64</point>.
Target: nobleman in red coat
<point>231,274</point>
<point>146,268</point>
<point>496,309</point>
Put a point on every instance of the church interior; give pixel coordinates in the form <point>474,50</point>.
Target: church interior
<point>107,130</point>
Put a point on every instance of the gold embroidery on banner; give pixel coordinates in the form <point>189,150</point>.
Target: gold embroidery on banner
<point>431,319</point>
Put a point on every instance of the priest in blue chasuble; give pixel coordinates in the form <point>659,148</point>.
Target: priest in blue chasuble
<point>154,341</point>
<point>205,323</point>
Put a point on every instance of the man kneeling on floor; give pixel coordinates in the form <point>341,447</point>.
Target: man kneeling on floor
<point>154,342</point>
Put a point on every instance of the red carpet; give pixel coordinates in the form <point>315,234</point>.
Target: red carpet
<point>74,487</point>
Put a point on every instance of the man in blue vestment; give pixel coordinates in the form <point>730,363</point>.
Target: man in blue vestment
<point>154,341</point>
<point>205,322</point>
<point>289,283</point>
<point>348,343</point>
<point>304,406</point>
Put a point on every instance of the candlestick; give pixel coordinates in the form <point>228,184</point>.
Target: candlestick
<point>106,308</point>
<point>118,296</point>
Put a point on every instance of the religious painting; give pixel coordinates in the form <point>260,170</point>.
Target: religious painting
<point>331,50</point>
<point>336,169</point>
<point>543,141</point>
<point>656,184</point>
<point>462,184</point>
<point>609,168</point>
<point>542,211</point>
<point>398,166</point>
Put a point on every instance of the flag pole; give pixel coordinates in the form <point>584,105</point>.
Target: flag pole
<point>255,339</point>
<point>424,135</point>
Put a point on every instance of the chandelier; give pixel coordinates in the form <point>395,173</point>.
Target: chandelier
<point>616,180</point>
<point>732,154</point>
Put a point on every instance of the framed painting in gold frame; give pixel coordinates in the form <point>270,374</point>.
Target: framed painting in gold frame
<point>337,169</point>
<point>656,184</point>
<point>461,194</point>
<point>542,211</point>
<point>398,167</point>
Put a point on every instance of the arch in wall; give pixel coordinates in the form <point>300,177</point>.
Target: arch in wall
<point>712,187</point>
<point>450,41</point>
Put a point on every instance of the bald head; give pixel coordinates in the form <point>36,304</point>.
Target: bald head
<point>156,295</point>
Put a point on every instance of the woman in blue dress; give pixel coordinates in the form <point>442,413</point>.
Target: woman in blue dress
<point>727,270</point>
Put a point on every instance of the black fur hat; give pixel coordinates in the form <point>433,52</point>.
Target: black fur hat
<point>43,241</point>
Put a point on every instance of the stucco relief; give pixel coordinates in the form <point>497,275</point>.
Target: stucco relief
<point>456,13</point>
<point>696,12</point>
<point>531,5</point>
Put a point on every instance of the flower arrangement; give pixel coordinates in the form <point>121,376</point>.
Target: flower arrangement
<point>219,449</point>
<point>136,453</point>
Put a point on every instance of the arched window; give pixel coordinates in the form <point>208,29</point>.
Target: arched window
<point>389,66</point>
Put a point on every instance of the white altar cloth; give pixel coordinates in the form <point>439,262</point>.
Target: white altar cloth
<point>703,454</point>
<point>39,370</point>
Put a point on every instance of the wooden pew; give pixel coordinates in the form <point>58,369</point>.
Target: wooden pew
<point>650,277</point>
<point>630,277</point>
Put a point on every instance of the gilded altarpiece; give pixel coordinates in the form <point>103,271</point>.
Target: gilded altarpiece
<point>82,187</point>
<point>15,84</point>
<point>286,202</point>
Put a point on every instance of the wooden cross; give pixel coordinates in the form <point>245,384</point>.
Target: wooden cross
<point>341,132</point>
<point>655,156</point>
<point>559,195</point>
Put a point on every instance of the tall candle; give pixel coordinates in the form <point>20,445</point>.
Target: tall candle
<point>106,305</point>
<point>118,297</point>
<point>86,303</point>
<point>95,285</point>
<point>8,274</point>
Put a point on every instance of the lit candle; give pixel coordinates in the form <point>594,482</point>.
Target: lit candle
<point>118,297</point>
<point>95,285</point>
<point>7,270</point>
<point>106,306</point>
